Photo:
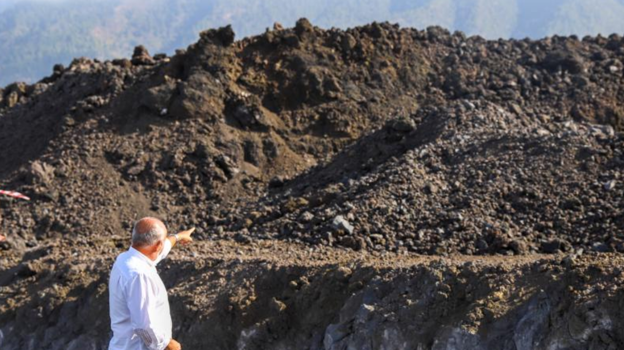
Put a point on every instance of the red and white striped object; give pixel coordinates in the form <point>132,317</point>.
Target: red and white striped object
<point>14,194</point>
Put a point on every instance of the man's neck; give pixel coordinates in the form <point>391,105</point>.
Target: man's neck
<point>150,254</point>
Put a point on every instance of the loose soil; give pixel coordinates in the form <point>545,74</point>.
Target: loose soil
<point>373,188</point>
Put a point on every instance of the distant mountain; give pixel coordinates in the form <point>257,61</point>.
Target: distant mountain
<point>36,34</point>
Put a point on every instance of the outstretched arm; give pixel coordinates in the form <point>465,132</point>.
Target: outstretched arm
<point>183,237</point>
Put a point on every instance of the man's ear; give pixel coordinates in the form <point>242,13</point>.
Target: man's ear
<point>158,246</point>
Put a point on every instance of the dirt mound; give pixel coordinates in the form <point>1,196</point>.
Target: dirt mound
<point>321,148</point>
<point>467,178</point>
<point>190,137</point>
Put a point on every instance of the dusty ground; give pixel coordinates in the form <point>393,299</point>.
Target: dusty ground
<point>274,295</point>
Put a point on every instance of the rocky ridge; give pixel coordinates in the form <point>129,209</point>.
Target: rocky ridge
<point>200,137</point>
<point>318,165</point>
<point>467,178</point>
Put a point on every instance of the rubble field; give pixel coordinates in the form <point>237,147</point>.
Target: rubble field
<point>371,188</point>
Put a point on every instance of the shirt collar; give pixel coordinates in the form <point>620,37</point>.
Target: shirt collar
<point>138,254</point>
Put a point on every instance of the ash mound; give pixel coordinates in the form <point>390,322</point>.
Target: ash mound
<point>466,178</point>
<point>377,137</point>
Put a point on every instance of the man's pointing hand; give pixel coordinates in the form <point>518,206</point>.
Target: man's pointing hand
<point>173,345</point>
<point>184,237</point>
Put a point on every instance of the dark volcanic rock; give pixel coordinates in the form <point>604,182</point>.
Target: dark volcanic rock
<point>385,140</point>
<point>222,36</point>
<point>566,61</point>
<point>141,56</point>
<point>421,141</point>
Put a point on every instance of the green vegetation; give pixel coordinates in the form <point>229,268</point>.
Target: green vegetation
<point>36,34</point>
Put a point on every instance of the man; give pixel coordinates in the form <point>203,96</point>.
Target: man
<point>139,307</point>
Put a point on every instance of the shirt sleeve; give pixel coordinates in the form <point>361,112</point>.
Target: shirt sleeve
<point>142,305</point>
<point>165,251</point>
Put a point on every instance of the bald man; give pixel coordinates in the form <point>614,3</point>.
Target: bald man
<point>139,307</point>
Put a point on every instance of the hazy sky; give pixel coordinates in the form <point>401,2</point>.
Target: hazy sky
<point>34,38</point>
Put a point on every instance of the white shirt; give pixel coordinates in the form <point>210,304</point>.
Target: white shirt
<point>139,306</point>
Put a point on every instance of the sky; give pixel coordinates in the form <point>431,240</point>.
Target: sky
<point>34,38</point>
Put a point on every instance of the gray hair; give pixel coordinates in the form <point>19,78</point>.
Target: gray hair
<point>148,238</point>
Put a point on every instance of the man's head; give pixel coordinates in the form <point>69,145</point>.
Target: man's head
<point>148,236</point>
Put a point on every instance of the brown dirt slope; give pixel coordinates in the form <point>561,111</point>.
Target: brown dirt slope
<point>316,165</point>
<point>201,137</point>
